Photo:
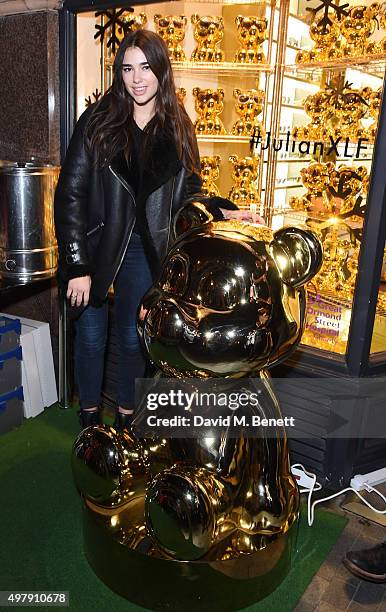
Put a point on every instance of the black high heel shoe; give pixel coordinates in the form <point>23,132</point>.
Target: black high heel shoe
<point>87,418</point>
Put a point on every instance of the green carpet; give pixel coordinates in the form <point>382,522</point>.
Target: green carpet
<point>40,524</point>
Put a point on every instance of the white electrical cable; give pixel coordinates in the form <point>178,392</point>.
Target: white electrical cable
<point>312,488</point>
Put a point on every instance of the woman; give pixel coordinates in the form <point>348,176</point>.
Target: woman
<point>131,164</point>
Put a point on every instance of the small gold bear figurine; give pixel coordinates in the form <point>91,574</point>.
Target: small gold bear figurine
<point>135,22</point>
<point>172,29</point>
<point>249,105</point>
<point>316,179</point>
<point>357,27</point>
<point>381,46</point>
<point>350,106</point>
<point>317,107</point>
<point>332,277</point>
<point>346,183</point>
<point>209,173</point>
<point>252,32</point>
<point>208,33</point>
<point>326,39</point>
<point>209,105</point>
<point>244,174</point>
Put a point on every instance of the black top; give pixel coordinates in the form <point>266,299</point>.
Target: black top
<point>135,168</point>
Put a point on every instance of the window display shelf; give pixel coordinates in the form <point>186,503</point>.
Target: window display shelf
<point>306,77</point>
<point>293,106</point>
<point>289,185</point>
<point>223,138</point>
<point>370,64</point>
<point>294,160</point>
<point>221,68</point>
<point>230,2</point>
<point>214,68</point>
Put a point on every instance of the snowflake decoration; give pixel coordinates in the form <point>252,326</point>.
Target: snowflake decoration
<point>341,91</point>
<point>326,5</point>
<point>96,95</point>
<point>358,210</point>
<point>341,192</point>
<point>115,24</point>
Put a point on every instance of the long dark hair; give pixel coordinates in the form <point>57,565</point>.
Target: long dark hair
<point>108,130</point>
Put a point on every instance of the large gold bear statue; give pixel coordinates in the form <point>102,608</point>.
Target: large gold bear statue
<point>208,521</point>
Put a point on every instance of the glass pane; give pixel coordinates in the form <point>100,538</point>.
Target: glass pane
<point>378,342</point>
<point>330,102</point>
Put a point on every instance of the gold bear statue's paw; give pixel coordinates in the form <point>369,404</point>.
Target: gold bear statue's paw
<point>108,467</point>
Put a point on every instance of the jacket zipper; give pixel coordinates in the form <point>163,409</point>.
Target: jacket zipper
<point>95,229</point>
<point>170,213</point>
<point>126,186</point>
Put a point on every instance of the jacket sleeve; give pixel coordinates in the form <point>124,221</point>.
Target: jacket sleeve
<point>193,182</point>
<point>70,205</point>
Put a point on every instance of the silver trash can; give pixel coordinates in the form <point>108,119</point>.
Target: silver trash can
<point>27,237</point>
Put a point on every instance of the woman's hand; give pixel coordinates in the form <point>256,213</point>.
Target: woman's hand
<point>78,291</point>
<point>243,215</point>
<point>142,313</point>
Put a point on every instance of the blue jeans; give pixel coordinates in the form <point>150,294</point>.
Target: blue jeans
<point>132,282</point>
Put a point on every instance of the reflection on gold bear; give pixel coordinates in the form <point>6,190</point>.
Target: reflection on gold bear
<point>209,104</point>
<point>172,29</point>
<point>374,101</point>
<point>346,183</point>
<point>315,178</point>
<point>249,105</point>
<point>317,106</point>
<point>244,174</point>
<point>381,46</point>
<point>135,22</point>
<point>332,276</point>
<point>357,27</point>
<point>209,173</point>
<point>326,39</point>
<point>208,33</point>
<point>181,94</point>
<point>349,107</point>
<point>252,32</point>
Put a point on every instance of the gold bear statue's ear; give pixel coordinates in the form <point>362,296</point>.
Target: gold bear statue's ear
<point>195,91</point>
<point>195,18</point>
<point>236,93</point>
<point>183,19</point>
<point>157,18</point>
<point>239,19</point>
<point>217,159</point>
<point>298,255</point>
<point>198,211</point>
<point>233,158</point>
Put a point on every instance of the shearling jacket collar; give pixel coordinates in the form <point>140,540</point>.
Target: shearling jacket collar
<point>163,164</point>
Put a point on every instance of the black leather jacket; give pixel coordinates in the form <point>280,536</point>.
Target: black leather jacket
<point>95,210</point>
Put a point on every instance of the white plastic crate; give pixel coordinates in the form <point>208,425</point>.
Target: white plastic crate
<point>38,374</point>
